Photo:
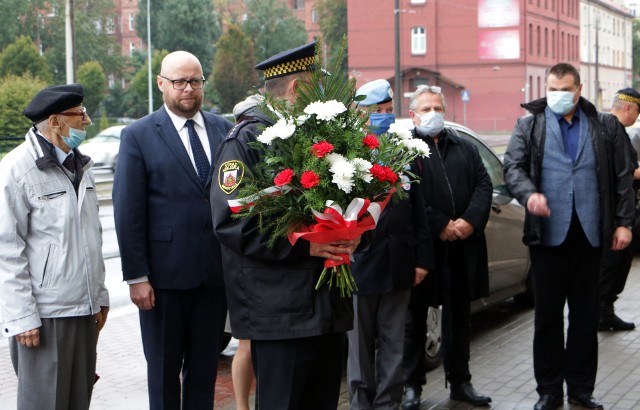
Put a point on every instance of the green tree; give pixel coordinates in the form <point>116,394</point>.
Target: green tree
<point>332,19</point>
<point>19,17</point>
<point>91,76</point>
<point>16,92</point>
<point>233,72</point>
<point>138,94</point>
<point>22,57</point>
<point>189,25</point>
<point>273,27</point>
<point>93,41</point>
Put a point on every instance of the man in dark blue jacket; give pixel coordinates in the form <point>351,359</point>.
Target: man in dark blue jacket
<point>170,258</point>
<point>398,257</point>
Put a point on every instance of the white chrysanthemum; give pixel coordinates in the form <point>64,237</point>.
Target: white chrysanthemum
<point>325,111</point>
<point>282,129</point>
<point>402,132</point>
<point>343,172</point>
<point>362,167</point>
<point>334,158</point>
<point>417,145</point>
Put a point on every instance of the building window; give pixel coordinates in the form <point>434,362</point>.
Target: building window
<point>553,5</point>
<point>530,39</point>
<point>530,87</point>
<point>298,4</point>
<point>553,44</point>
<point>112,80</point>
<point>132,20</point>
<point>538,37</point>
<point>111,25</point>
<point>132,48</point>
<point>314,16</point>
<point>418,40</point>
<point>417,82</point>
<point>418,1</point>
<point>546,42</point>
<point>539,89</point>
<point>562,45</point>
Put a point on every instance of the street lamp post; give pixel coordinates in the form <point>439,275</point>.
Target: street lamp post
<point>398,79</point>
<point>150,83</point>
<point>69,42</point>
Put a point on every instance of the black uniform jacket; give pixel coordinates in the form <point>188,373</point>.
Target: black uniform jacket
<point>270,291</point>
<point>525,153</point>
<point>400,243</point>
<point>455,185</point>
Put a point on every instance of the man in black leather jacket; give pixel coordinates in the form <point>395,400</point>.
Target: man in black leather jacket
<point>569,165</point>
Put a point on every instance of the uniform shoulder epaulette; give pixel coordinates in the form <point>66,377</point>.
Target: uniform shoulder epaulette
<point>233,133</point>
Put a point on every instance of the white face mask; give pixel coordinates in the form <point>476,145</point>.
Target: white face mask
<point>431,123</point>
<point>560,102</point>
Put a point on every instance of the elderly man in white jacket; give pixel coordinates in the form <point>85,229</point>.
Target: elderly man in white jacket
<point>53,301</point>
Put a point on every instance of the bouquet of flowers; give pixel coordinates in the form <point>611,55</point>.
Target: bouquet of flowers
<point>324,177</point>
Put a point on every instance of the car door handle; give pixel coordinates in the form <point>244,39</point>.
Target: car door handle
<point>496,209</point>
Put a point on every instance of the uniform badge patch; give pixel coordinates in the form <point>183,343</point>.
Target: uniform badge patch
<point>230,175</point>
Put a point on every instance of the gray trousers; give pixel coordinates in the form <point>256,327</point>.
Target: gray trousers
<point>374,366</point>
<point>59,374</point>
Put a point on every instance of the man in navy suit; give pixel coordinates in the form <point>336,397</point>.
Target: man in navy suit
<point>170,258</point>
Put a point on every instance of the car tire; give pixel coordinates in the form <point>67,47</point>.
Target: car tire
<point>526,298</point>
<point>433,347</point>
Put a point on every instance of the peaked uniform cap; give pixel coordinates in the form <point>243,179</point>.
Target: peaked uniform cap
<point>54,100</point>
<point>290,61</point>
<point>376,92</point>
<point>629,94</point>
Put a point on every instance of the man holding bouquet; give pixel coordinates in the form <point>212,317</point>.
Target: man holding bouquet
<point>297,333</point>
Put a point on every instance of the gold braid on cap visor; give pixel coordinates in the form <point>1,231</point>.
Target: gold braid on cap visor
<point>288,67</point>
<point>629,98</point>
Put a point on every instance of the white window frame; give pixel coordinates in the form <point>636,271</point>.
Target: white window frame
<point>418,40</point>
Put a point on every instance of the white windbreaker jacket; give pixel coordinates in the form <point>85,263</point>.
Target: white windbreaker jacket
<point>50,241</point>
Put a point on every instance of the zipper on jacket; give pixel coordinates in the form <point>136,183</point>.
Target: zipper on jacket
<point>44,270</point>
<point>53,195</point>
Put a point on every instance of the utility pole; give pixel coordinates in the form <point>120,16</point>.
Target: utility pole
<point>70,42</point>
<point>150,82</point>
<point>398,94</point>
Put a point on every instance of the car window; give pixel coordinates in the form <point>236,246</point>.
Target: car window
<point>490,161</point>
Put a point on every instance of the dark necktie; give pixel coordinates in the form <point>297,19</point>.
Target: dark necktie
<point>68,163</point>
<point>200,157</point>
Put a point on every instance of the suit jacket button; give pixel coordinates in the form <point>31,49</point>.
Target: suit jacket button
<point>205,200</point>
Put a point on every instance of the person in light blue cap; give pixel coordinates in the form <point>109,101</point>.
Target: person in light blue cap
<point>378,93</point>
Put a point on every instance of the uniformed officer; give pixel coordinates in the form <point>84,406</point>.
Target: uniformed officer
<point>297,334</point>
<point>399,256</point>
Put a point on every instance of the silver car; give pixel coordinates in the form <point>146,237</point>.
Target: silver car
<point>103,148</point>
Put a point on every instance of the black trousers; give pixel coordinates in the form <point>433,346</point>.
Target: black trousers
<point>456,316</point>
<point>181,337</point>
<point>299,374</point>
<point>566,274</point>
<point>614,269</point>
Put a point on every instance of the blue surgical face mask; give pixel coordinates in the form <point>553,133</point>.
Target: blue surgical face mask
<point>560,102</point>
<point>75,137</point>
<point>380,122</point>
<point>431,123</point>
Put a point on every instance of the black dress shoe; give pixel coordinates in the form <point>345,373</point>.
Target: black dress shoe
<point>465,392</point>
<point>585,400</point>
<point>411,398</point>
<point>613,322</point>
<point>548,402</point>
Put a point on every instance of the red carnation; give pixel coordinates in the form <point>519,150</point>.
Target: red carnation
<point>309,179</point>
<point>378,172</point>
<point>321,149</point>
<point>283,177</point>
<point>371,141</point>
<point>390,175</point>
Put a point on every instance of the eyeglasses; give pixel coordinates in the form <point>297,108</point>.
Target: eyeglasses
<point>82,113</point>
<point>432,88</point>
<point>196,84</point>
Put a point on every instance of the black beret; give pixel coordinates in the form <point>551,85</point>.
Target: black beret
<point>53,100</point>
<point>629,94</point>
<point>288,62</point>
